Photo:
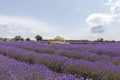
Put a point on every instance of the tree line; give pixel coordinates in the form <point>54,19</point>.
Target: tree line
<point>39,38</point>
<point>19,38</point>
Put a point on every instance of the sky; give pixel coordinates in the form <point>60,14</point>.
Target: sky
<point>71,19</point>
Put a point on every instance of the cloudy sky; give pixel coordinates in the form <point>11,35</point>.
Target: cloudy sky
<point>71,19</point>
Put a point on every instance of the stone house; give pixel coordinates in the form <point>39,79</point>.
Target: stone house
<point>58,40</point>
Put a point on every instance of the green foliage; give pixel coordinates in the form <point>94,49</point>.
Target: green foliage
<point>4,39</point>
<point>38,37</point>
<point>99,40</point>
<point>18,38</point>
<point>21,39</point>
<point>27,39</point>
<point>49,42</point>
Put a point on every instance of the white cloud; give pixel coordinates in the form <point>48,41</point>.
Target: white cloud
<point>109,21</point>
<point>11,26</point>
<point>114,6</point>
<point>98,19</point>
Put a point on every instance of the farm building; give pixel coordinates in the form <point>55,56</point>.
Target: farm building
<point>58,40</point>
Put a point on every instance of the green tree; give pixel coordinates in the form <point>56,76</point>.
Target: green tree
<point>4,39</point>
<point>18,38</point>
<point>100,40</point>
<point>27,39</point>
<point>38,37</point>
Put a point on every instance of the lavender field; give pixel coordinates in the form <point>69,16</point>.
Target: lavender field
<point>35,61</point>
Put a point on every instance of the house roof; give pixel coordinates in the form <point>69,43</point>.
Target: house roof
<point>59,38</point>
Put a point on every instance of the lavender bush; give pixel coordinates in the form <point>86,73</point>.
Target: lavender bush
<point>84,61</point>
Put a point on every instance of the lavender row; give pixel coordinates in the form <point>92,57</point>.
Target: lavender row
<point>96,52</point>
<point>53,62</point>
<point>15,70</point>
<point>95,70</point>
<point>30,57</point>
